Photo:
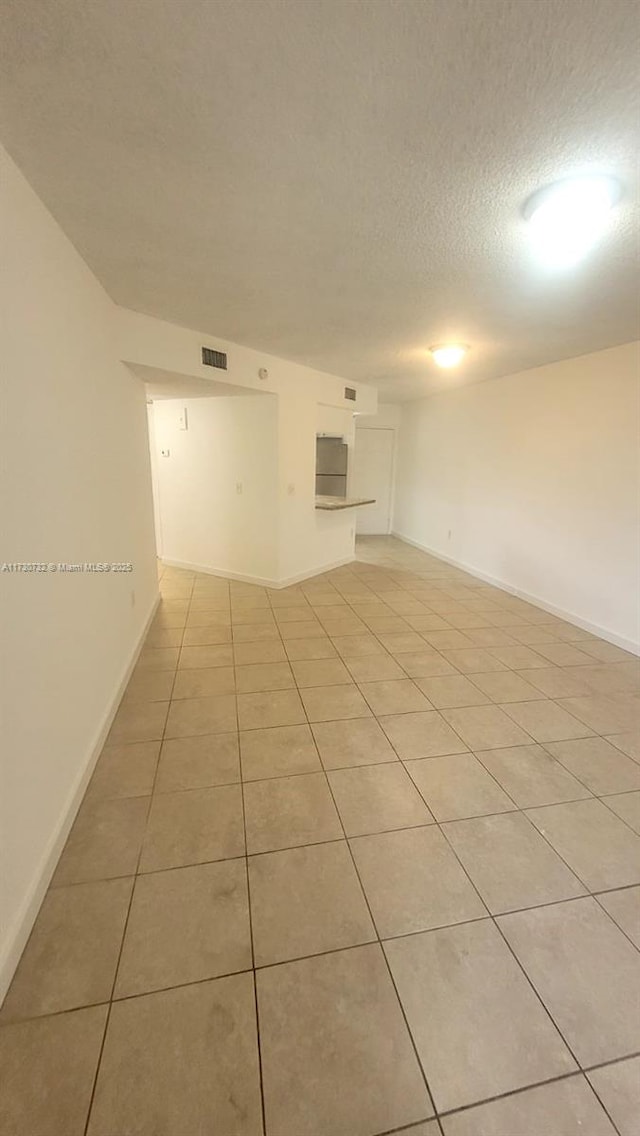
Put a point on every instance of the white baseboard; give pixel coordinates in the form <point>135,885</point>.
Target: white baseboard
<point>289,580</point>
<point>261,581</point>
<point>207,570</point>
<point>569,616</point>
<point>20,928</point>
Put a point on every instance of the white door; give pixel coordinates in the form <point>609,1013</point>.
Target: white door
<point>372,477</point>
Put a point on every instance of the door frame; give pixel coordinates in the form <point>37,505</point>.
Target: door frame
<point>155,479</point>
<point>393,430</point>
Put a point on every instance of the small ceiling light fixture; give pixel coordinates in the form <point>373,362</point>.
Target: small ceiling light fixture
<point>568,218</point>
<point>449,354</point>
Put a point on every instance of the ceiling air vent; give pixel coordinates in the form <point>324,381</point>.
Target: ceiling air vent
<point>349,392</point>
<point>211,358</point>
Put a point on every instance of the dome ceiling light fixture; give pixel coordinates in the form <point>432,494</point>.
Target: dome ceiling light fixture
<point>567,218</point>
<point>448,354</point>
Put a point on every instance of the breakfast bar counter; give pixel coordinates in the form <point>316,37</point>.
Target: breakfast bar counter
<point>334,503</point>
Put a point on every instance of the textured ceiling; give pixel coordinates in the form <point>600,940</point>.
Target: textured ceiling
<point>337,182</point>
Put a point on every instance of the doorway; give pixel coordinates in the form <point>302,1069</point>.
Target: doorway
<point>373,477</point>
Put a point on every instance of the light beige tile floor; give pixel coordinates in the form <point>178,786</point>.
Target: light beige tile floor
<point>360,856</point>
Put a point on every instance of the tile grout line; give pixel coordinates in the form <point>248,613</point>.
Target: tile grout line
<point>589,894</point>
<point>124,929</point>
<point>378,940</point>
<point>251,942</point>
<point>373,922</point>
<point>250,916</point>
<point>494,919</point>
<point>604,1106</point>
<point>580,1068</point>
<point>359,836</point>
<point>508,670</point>
<point>302,958</point>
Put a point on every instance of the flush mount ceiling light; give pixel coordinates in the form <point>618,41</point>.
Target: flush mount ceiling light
<point>448,354</point>
<point>568,218</point>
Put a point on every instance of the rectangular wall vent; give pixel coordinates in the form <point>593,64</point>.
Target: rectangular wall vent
<point>211,358</point>
<point>349,392</point>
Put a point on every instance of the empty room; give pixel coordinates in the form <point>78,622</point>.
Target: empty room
<point>320,571</point>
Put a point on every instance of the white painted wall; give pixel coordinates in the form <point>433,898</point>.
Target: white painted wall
<point>271,533</point>
<point>309,541</point>
<point>535,478</point>
<point>76,488</point>
<point>388,415</point>
<point>152,342</point>
<point>157,519</point>
<point>204,520</point>
<point>336,420</point>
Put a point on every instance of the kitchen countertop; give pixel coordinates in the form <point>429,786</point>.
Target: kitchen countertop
<point>334,503</point>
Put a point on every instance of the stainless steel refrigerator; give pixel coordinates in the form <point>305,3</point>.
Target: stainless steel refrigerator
<point>331,467</point>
